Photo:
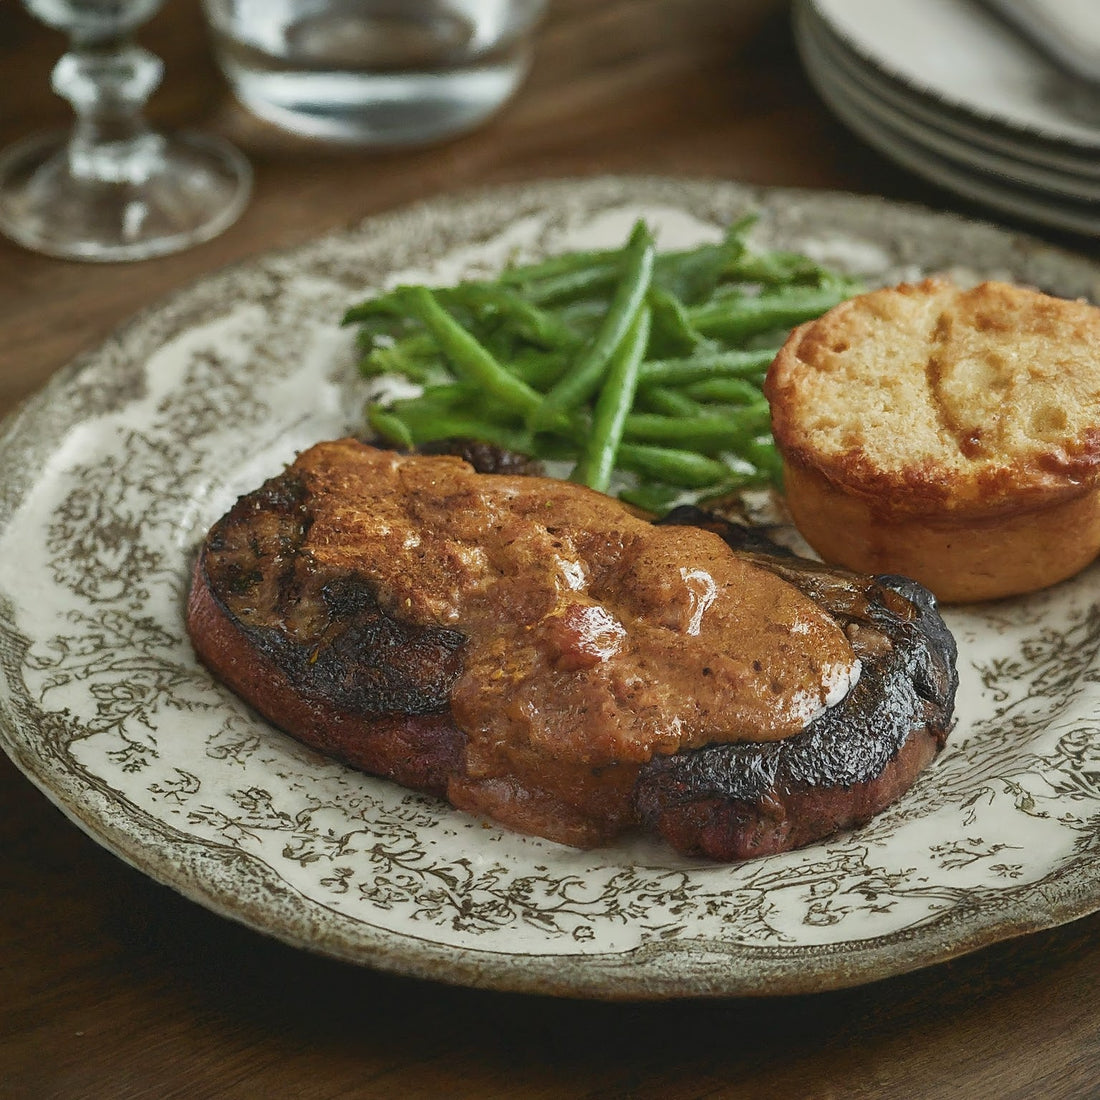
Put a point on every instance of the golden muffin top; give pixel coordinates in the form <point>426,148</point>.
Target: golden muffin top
<point>938,397</point>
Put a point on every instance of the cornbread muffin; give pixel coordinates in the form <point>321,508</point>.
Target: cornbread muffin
<point>951,435</point>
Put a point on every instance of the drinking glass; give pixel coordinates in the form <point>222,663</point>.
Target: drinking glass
<point>374,72</point>
<point>112,188</point>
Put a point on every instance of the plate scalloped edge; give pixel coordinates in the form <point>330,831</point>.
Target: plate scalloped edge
<point>91,732</point>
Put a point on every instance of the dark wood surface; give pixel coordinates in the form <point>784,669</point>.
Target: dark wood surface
<point>112,986</point>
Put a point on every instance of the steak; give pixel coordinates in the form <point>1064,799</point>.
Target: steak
<point>284,610</point>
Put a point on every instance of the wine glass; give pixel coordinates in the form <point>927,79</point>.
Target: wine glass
<point>112,188</point>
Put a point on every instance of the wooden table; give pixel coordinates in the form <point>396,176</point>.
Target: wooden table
<point>112,986</point>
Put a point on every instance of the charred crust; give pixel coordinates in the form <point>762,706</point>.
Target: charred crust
<point>485,457</point>
<point>906,691</point>
<point>324,630</point>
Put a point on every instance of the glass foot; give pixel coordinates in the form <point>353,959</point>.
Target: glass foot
<point>191,187</point>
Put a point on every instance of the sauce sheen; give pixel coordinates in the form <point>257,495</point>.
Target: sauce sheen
<point>594,637</point>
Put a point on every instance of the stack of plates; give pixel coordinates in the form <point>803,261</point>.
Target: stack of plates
<point>952,93</point>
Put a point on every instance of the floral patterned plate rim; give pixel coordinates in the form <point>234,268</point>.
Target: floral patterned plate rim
<point>110,476</point>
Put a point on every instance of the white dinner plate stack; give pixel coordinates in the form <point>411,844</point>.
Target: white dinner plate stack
<point>954,93</point>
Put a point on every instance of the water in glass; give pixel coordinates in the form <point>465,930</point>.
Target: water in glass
<point>383,72</point>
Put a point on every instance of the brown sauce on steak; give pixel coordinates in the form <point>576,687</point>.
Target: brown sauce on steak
<point>347,650</point>
<point>592,636</point>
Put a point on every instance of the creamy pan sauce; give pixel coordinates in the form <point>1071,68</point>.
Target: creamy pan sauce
<point>594,637</point>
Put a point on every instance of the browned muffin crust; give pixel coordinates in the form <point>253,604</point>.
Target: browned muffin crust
<point>950,434</point>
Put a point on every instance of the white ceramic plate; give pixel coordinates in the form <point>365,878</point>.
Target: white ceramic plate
<point>970,174</point>
<point>961,57</point>
<point>987,151</point>
<point>109,478</point>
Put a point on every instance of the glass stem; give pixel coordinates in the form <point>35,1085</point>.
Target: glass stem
<point>108,82</point>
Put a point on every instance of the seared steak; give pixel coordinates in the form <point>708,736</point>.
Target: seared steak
<point>734,801</point>
<point>393,680</point>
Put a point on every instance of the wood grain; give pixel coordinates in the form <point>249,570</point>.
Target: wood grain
<point>116,987</point>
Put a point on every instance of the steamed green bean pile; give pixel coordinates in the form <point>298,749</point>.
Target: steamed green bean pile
<point>641,368</point>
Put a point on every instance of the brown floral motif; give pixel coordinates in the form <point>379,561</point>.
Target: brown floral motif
<point>129,679</point>
<point>101,540</point>
<point>105,706</point>
<point>179,789</point>
<point>211,391</point>
<point>235,740</point>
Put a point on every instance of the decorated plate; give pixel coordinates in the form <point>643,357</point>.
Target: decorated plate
<point>110,477</point>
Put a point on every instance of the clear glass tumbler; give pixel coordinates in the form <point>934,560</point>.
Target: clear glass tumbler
<point>374,72</point>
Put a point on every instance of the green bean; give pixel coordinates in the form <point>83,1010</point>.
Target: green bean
<point>615,400</point>
<point>421,413</point>
<point>735,391</point>
<point>689,274</point>
<point>771,339</point>
<point>444,396</point>
<point>692,276</point>
<point>668,402</point>
<point>469,358</point>
<point>381,308</point>
<point>412,427</point>
<point>726,364</point>
<point>416,357</point>
<point>775,268</point>
<point>583,316</point>
<point>741,478</point>
<point>657,498</point>
<point>563,264</point>
<point>771,267</point>
<point>762,453</point>
<point>652,497</point>
<point>585,375</point>
<point>524,318</point>
<point>707,433</point>
<point>540,370</point>
<point>672,465</point>
<point>672,332</point>
<point>737,318</point>
<point>624,358</point>
<point>459,426</point>
<point>389,427</point>
<point>382,331</point>
<point>484,308</point>
<point>571,286</point>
